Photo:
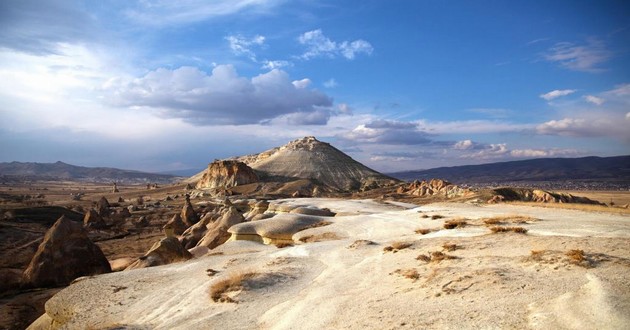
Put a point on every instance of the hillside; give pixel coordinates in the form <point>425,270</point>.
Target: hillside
<point>309,158</point>
<point>63,171</point>
<point>604,170</point>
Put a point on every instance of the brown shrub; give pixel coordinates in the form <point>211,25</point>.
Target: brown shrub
<point>234,282</point>
<point>577,257</point>
<point>455,223</point>
<point>328,236</point>
<point>450,246</point>
<point>396,246</point>
<point>409,273</point>
<point>360,242</point>
<point>283,245</point>
<point>436,216</point>
<point>519,230</point>
<point>512,218</point>
<point>424,216</point>
<point>422,231</point>
<point>435,256</point>
<point>536,254</point>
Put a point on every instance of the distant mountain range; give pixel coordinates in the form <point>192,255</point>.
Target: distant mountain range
<point>610,171</point>
<point>62,171</point>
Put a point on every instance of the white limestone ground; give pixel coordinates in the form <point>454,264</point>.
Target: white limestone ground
<point>493,281</point>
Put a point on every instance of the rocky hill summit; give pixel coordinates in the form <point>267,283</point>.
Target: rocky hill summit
<point>305,158</point>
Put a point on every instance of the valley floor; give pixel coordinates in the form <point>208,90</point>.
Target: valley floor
<point>382,266</point>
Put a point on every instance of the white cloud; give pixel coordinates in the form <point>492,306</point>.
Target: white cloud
<point>243,46</point>
<point>330,83</point>
<point>594,99</point>
<point>464,145</point>
<point>628,116</point>
<point>222,97</point>
<point>534,153</point>
<point>278,64</point>
<point>344,109</point>
<point>166,12</point>
<point>557,93</point>
<point>388,132</point>
<point>585,57</point>
<point>489,151</point>
<point>318,45</point>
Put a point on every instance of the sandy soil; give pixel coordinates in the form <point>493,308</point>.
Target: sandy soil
<point>484,280</point>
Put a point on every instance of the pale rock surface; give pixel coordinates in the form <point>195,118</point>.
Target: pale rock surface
<point>65,254</point>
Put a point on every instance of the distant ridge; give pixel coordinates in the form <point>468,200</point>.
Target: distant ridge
<point>62,171</point>
<point>610,171</point>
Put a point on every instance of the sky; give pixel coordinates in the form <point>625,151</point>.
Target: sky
<point>398,85</point>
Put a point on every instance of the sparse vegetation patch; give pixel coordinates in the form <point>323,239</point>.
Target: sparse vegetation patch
<point>450,246</point>
<point>436,217</point>
<point>455,223</point>
<point>577,257</point>
<point>234,282</point>
<point>411,273</point>
<point>396,246</point>
<point>435,256</point>
<point>518,230</point>
<point>422,231</point>
<point>510,218</point>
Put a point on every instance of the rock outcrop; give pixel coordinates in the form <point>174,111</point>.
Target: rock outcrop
<point>191,236</point>
<point>65,254</point>
<point>227,174</point>
<point>166,251</point>
<point>217,233</point>
<point>188,214</point>
<point>537,195</point>
<point>310,159</point>
<point>175,226</point>
<point>435,187</point>
<point>102,207</point>
<point>93,220</point>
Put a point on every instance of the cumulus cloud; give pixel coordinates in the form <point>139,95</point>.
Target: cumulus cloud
<point>388,132</point>
<point>594,99</point>
<point>344,109</point>
<point>222,97</point>
<point>318,45</point>
<point>554,94</point>
<point>243,46</point>
<point>468,145</point>
<point>577,127</point>
<point>586,57</point>
<point>489,151</point>
<point>536,153</point>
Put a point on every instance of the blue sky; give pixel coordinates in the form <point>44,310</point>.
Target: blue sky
<point>168,85</point>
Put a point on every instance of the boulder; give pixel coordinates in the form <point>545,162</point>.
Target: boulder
<point>65,254</point>
<point>217,233</point>
<point>227,174</point>
<point>168,250</point>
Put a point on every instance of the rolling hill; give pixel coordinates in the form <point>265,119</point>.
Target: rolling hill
<point>605,170</point>
<point>62,171</point>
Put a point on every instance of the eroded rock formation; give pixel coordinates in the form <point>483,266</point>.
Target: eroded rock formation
<point>65,254</point>
<point>166,251</point>
<point>435,187</point>
<point>227,174</point>
<point>217,233</point>
<point>188,214</point>
<point>536,195</point>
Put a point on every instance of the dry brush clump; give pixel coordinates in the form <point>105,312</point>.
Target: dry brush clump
<point>435,256</point>
<point>233,282</point>
<point>396,246</point>
<point>422,231</point>
<point>510,218</point>
<point>518,230</point>
<point>327,236</point>
<point>450,246</point>
<point>411,273</point>
<point>436,217</point>
<point>577,257</point>
<point>455,223</point>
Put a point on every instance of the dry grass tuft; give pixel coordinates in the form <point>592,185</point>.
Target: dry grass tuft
<point>435,256</point>
<point>360,242</point>
<point>436,216</point>
<point>327,236</point>
<point>424,216</point>
<point>422,231</point>
<point>577,257</point>
<point>455,223</point>
<point>536,254</point>
<point>411,273</point>
<point>450,246</point>
<point>518,230</point>
<point>511,218</point>
<point>396,246</point>
<point>234,282</point>
<point>283,245</point>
